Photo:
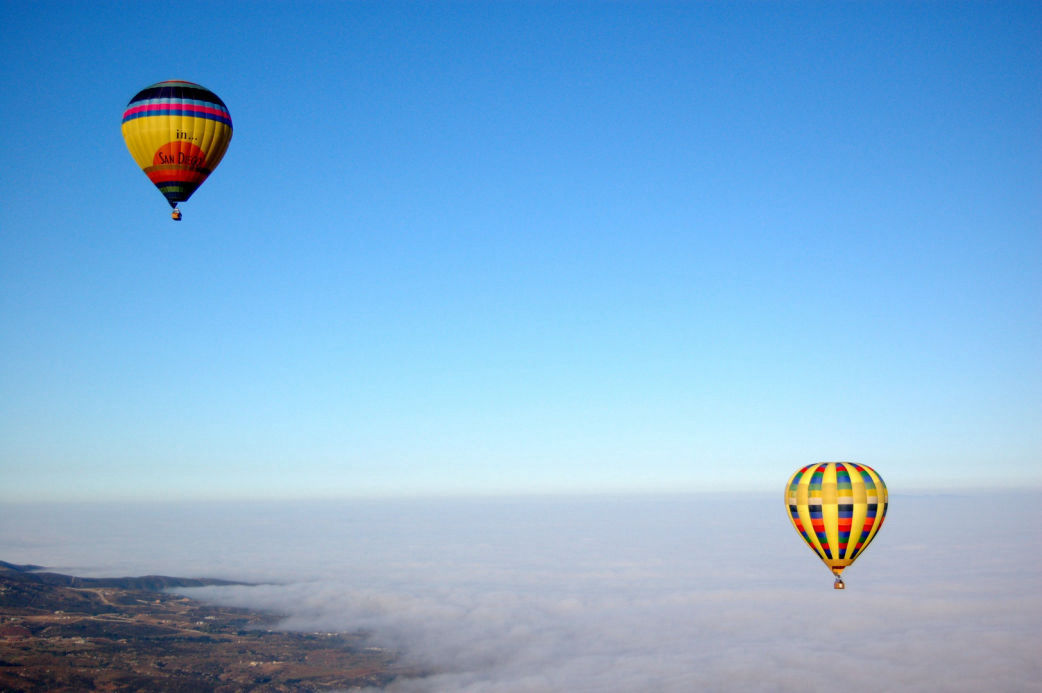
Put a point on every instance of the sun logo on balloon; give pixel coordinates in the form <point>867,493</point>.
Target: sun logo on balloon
<point>180,153</point>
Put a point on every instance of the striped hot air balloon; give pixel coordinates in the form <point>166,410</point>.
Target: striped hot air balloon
<point>177,133</point>
<point>837,507</point>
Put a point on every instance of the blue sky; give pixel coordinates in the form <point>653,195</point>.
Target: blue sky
<point>524,247</point>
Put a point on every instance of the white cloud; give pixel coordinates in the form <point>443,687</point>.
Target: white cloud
<point>665,594</point>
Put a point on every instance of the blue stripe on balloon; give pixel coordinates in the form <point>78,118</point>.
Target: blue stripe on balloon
<point>178,112</point>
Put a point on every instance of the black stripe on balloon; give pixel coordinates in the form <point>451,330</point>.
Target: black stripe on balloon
<point>178,91</point>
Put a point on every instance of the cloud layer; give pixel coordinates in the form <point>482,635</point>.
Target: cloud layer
<point>666,594</point>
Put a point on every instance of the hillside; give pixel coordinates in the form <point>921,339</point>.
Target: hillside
<point>66,633</point>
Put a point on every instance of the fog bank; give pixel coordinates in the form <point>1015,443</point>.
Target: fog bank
<point>602,594</point>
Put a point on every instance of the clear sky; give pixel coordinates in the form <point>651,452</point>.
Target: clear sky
<point>524,247</point>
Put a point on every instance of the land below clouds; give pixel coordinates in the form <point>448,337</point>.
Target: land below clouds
<point>66,633</point>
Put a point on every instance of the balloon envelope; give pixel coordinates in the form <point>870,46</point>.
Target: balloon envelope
<point>177,133</point>
<point>837,507</point>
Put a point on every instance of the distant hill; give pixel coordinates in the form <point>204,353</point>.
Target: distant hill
<point>14,567</point>
<point>152,583</point>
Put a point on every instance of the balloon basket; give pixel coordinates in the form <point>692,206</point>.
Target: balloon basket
<point>838,584</point>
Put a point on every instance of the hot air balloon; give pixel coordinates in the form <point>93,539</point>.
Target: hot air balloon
<point>837,507</point>
<point>177,133</point>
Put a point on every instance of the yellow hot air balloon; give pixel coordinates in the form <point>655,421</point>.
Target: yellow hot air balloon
<point>838,508</point>
<point>177,133</point>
